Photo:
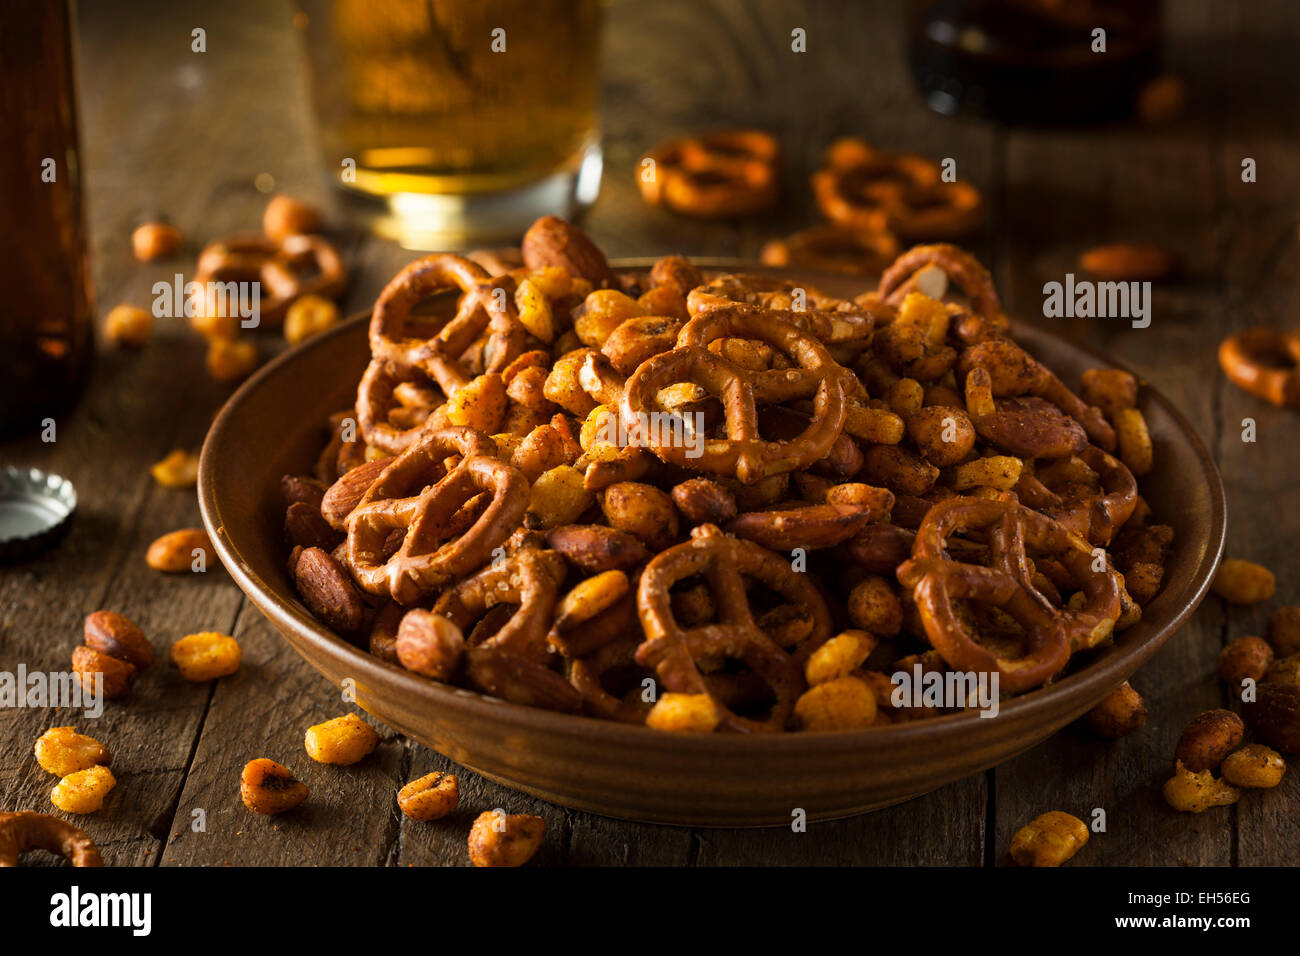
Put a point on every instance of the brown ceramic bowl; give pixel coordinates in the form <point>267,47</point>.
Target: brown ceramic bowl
<point>273,426</point>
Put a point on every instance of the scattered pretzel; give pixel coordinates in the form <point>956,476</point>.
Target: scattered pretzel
<point>833,249</point>
<point>25,830</point>
<point>714,175</point>
<point>864,188</point>
<point>287,269</point>
<point>1265,363</point>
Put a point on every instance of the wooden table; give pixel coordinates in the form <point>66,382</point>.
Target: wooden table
<point>183,133</point>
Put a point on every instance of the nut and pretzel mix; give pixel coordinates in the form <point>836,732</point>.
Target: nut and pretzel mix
<point>720,501</point>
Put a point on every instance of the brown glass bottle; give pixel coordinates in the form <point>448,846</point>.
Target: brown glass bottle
<point>46,307</point>
<point>1033,61</point>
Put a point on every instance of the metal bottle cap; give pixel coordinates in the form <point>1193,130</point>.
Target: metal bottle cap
<point>35,508</point>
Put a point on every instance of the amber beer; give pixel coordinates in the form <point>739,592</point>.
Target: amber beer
<point>434,105</point>
<point>46,313</point>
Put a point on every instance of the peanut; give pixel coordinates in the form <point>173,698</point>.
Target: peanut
<point>1122,712</point>
<point>1246,657</point>
<point>175,552</point>
<point>431,797</point>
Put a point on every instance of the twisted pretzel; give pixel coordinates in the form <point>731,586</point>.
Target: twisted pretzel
<point>1095,516</point>
<point>962,269</point>
<point>868,189</point>
<point>379,401</point>
<point>713,176</point>
<point>419,498</point>
<point>742,452</point>
<point>673,652</point>
<point>511,663</point>
<point>1265,363</point>
<point>25,830</point>
<point>587,674</point>
<point>832,249</point>
<point>1051,634</point>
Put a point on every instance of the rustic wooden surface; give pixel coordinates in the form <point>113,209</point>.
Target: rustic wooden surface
<point>168,130</point>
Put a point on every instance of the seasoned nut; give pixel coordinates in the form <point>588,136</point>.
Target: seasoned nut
<point>429,644</point>
<point>1284,630</point>
<point>118,676</point>
<point>702,501</point>
<point>1243,582</point>
<point>596,548</point>
<point>308,316</point>
<point>383,632</point>
<point>1274,715</point>
<point>302,489</point>
<point>342,741</point>
<point>843,704</point>
<point>155,240</point>
<point>1128,262</point>
<point>945,435</point>
<point>1254,766</point>
<point>642,510</point>
<point>1197,792</point>
<point>839,656</point>
<point>559,496</point>
<point>683,713</point>
<point>84,790</point>
<point>229,360</point>
<point>267,787</point>
<point>128,326</point>
<point>177,551</point>
<point>589,598</point>
<point>1110,389</point>
<point>304,526</point>
<point>180,469</point>
<point>501,839</point>
<point>550,241</point>
<point>118,636</point>
<point>1284,671</point>
<point>61,751</point>
<point>1049,840</point>
<point>874,607</point>
<point>328,590</point>
<point>1122,712</point>
<point>431,797</point>
<point>1246,657</point>
<point>287,216</point>
<point>1209,738</point>
<point>480,405</point>
<point>345,494</point>
<point>206,656</point>
<point>996,471</point>
<point>1135,448</point>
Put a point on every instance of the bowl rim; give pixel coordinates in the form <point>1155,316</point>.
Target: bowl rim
<point>1085,682</point>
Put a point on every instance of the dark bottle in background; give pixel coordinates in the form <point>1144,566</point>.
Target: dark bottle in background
<point>1032,61</point>
<point>46,306</point>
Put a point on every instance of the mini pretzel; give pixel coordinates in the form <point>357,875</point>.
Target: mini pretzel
<point>586,674</point>
<point>1095,517</point>
<point>725,562</point>
<point>743,453</point>
<point>418,496</point>
<point>833,248</point>
<point>962,269</point>
<point>715,175</point>
<point>378,396</point>
<point>1265,363</point>
<point>1014,372</point>
<point>766,292</point>
<point>1051,633</point>
<point>25,830</point>
<point>249,259</point>
<point>868,189</point>
<point>437,357</point>
<point>511,663</point>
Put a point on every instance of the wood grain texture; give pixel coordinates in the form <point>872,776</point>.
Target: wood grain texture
<point>183,134</point>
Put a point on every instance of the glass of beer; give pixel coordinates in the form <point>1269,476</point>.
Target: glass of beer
<point>457,121</point>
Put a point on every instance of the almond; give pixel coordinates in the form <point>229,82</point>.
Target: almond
<point>118,636</point>
<point>1209,738</point>
<point>302,488</point>
<point>1274,715</point>
<point>346,493</point>
<point>119,676</point>
<point>303,525</point>
<point>326,589</point>
<point>550,241</point>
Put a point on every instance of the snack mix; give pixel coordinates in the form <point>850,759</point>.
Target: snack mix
<point>721,502</point>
